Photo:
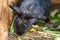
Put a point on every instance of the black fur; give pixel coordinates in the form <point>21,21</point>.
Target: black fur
<point>29,13</point>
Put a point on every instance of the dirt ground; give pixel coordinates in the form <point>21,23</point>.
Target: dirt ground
<point>38,35</point>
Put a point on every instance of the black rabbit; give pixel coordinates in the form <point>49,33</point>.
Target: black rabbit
<point>29,13</point>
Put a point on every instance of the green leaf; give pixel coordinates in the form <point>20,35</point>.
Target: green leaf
<point>58,38</point>
<point>12,28</point>
<point>55,19</point>
<point>54,13</point>
<point>58,27</point>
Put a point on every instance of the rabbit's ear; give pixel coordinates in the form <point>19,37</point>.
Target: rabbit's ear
<point>16,9</point>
